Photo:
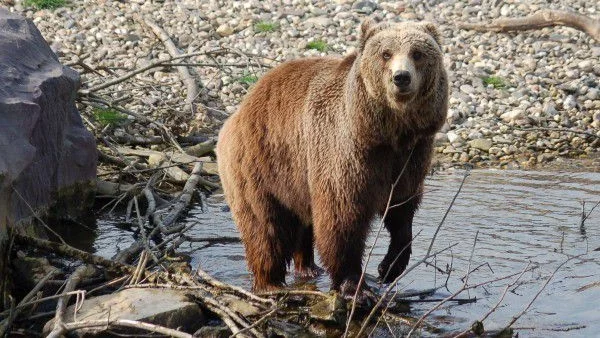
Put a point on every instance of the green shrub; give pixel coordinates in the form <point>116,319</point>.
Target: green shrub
<point>106,116</point>
<point>319,45</point>
<point>266,26</point>
<point>45,4</point>
<point>248,79</point>
<point>495,81</point>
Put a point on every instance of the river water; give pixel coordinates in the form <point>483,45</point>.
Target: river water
<point>522,218</point>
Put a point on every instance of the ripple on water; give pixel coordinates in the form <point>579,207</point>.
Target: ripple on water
<point>522,217</point>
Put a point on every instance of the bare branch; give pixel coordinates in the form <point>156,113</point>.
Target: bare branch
<point>540,19</point>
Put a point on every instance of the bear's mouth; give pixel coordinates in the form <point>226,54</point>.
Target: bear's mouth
<point>403,95</point>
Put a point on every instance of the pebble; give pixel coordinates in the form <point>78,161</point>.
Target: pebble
<point>481,144</point>
<point>497,82</point>
<point>452,136</point>
<point>570,102</point>
<point>512,115</point>
<point>224,30</point>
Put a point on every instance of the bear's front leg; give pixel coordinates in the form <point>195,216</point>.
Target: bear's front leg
<point>340,233</point>
<point>398,221</point>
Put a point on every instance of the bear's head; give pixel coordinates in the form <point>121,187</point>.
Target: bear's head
<point>400,62</point>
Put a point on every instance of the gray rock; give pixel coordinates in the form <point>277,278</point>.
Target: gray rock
<point>364,7</point>
<point>331,309</point>
<point>481,144</point>
<point>165,307</point>
<point>321,21</point>
<point>586,65</point>
<point>512,115</point>
<point>224,30</point>
<point>452,136</point>
<point>550,109</point>
<point>47,156</point>
<point>467,89</point>
<point>441,138</point>
<point>570,102</point>
<point>593,94</point>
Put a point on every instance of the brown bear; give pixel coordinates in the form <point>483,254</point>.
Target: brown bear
<point>313,151</point>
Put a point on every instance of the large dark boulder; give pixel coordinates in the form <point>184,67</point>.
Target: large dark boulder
<point>46,154</point>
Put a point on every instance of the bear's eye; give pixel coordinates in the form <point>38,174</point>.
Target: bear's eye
<point>386,55</point>
<point>416,55</point>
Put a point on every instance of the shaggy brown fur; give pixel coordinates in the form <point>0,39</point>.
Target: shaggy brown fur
<point>316,145</point>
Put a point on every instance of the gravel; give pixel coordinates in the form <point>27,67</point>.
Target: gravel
<point>514,96</point>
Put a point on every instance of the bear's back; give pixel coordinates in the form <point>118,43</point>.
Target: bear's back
<point>266,134</point>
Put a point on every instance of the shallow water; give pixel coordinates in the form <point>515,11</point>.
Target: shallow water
<point>523,217</point>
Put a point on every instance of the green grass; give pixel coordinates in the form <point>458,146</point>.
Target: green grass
<point>495,81</point>
<point>319,45</point>
<point>45,4</point>
<point>266,26</point>
<point>106,116</point>
<point>248,79</point>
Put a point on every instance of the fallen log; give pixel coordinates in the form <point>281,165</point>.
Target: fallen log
<point>540,19</point>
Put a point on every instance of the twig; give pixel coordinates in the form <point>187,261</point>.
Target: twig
<point>61,306</point>
<point>443,301</point>
<point>96,99</point>
<point>36,216</point>
<point>564,130</point>
<point>540,19</point>
<point>127,323</point>
<point>212,281</point>
<point>256,323</point>
<point>182,201</point>
<point>585,216</point>
<point>437,230</point>
<point>7,322</point>
<point>495,307</point>
<point>515,318</point>
<point>133,73</point>
<point>72,252</point>
<point>387,291</point>
<point>381,224</point>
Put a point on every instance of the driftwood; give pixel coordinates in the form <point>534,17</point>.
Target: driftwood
<point>201,149</point>
<point>61,307</point>
<point>186,77</point>
<point>182,202</point>
<point>69,251</point>
<point>96,101</point>
<point>13,313</point>
<point>540,19</point>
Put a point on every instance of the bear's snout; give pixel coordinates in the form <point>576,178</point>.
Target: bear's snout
<point>401,79</point>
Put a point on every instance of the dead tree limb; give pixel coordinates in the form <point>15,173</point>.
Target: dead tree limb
<point>182,201</point>
<point>540,19</point>
<point>6,323</point>
<point>128,323</point>
<point>70,251</point>
<point>186,77</point>
<point>133,73</point>
<point>61,307</point>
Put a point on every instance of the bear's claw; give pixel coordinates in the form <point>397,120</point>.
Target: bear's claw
<point>366,298</point>
<point>309,271</point>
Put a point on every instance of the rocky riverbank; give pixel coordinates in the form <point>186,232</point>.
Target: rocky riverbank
<point>520,99</point>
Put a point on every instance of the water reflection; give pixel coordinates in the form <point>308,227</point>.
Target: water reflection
<point>522,218</point>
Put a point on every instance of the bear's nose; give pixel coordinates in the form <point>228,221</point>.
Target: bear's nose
<point>401,78</point>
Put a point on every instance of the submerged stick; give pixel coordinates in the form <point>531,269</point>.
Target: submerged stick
<point>70,251</point>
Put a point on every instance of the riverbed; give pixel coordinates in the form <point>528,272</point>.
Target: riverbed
<point>524,219</point>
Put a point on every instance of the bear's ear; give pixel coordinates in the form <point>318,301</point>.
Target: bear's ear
<point>366,31</point>
<point>431,29</point>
